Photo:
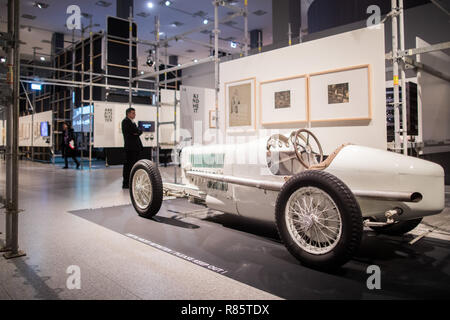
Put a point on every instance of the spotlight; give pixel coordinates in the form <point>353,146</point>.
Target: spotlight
<point>205,21</point>
<point>233,44</point>
<point>150,62</point>
<point>3,59</point>
<point>195,60</point>
<point>150,5</point>
<point>142,72</point>
<point>167,3</point>
<point>42,58</point>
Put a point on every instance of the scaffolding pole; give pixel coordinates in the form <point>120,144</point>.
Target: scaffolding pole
<point>91,67</point>
<point>395,74</point>
<point>11,247</point>
<point>82,95</point>
<point>246,27</point>
<point>403,79</point>
<point>216,62</point>
<point>158,104</point>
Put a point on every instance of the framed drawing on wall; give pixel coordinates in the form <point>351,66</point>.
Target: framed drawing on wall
<point>213,119</point>
<point>240,99</point>
<point>283,101</point>
<point>341,95</point>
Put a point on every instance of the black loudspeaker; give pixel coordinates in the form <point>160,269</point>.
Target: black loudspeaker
<point>412,107</point>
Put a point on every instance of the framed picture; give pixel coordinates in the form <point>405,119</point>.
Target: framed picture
<point>213,119</point>
<point>341,95</point>
<point>283,101</point>
<point>240,97</point>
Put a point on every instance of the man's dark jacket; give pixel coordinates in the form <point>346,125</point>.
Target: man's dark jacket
<point>131,135</point>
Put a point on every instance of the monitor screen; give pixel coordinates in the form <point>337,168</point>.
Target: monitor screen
<point>44,129</point>
<point>146,126</point>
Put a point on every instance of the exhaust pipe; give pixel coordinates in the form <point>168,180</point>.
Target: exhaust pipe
<point>277,185</point>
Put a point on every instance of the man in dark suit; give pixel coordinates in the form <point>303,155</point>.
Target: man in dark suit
<point>133,144</point>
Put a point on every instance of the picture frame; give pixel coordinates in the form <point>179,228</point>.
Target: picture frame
<point>341,95</point>
<point>213,119</point>
<point>284,101</point>
<point>240,102</point>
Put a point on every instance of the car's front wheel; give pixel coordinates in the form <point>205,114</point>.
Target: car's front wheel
<point>319,219</point>
<point>146,188</point>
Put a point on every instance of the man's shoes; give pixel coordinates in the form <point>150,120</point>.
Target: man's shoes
<point>65,167</point>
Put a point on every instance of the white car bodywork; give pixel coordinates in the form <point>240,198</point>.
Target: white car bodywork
<point>366,171</point>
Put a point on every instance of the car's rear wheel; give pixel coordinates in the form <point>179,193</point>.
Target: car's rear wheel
<point>146,188</point>
<point>398,228</point>
<point>319,219</point>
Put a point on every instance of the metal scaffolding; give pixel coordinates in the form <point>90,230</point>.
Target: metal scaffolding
<point>400,58</point>
<point>11,247</point>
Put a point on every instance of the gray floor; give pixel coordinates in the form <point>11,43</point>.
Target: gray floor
<point>112,266</point>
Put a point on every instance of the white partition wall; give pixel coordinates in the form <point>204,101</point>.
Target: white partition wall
<point>30,130</point>
<point>197,122</point>
<point>108,118</point>
<point>340,79</point>
<point>2,133</point>
<point>434,102</point>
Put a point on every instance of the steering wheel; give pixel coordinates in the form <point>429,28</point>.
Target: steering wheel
<point>303,146</point>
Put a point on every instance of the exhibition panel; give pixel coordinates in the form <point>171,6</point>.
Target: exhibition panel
<point>108,118</point>
<point>36,130</point>
<point>323,58</point>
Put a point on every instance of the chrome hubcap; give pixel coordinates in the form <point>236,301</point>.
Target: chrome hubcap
<point>313,220</point>
<point>142,189</point>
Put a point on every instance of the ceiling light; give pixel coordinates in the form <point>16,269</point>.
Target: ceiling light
<point>41,5</point>
<point>142,72</point>
<point>103,3</point>
<point>3,59</point>
<point>179,64</point>
<point>150,5</point>
<point>205,21</point>
<point>233,44</point>
<point>167,3</point>
<point>28,16</point>
<point>42,58</point>
<point>195,60</point>
<point>143,14</point>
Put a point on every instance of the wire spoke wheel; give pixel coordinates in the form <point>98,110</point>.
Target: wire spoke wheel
<point>313,220</point>
<point>318,219</point>
<point>142,189</point>
<point>146,188</point>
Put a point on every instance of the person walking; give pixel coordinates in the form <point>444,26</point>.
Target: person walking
<point>132,144</point>
<point>68,145</point>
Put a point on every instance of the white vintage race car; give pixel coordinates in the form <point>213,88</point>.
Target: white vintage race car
<point>318,203</point>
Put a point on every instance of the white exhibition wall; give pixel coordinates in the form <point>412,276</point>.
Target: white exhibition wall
<point>29,130</point>
<point>434,102</point>
<point>196,105</point>
<point>2,133</point>
<point>364,47</point>
<point>108,118</point>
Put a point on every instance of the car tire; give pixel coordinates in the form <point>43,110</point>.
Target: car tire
<point>335,194</point>
<point>145,177</point>
<point>398,228</point>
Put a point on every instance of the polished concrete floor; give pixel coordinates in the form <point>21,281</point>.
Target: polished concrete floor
<point>112,266</point>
